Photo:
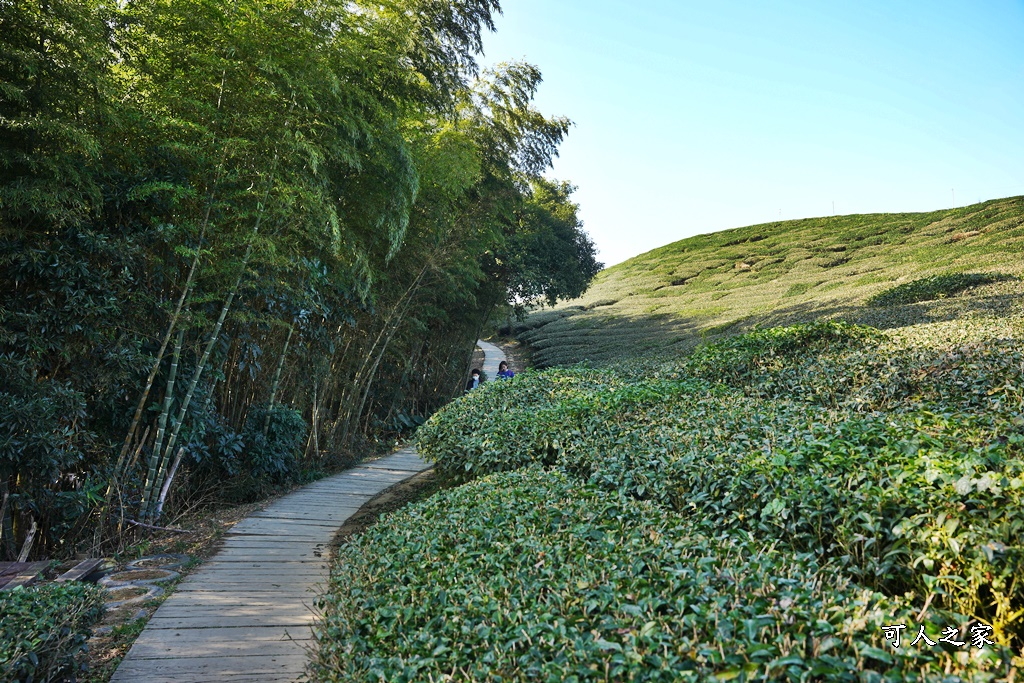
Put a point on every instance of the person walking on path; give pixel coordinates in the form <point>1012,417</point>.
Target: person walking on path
<point>474,380</point>
<point>504,372</point>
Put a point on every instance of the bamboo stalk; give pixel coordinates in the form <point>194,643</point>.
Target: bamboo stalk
<point>167,485</point>
<point>386,332</point>
<point>315,430</point>
<point>3,516</point>
<point>408,297</point>
<point>155,457</point>
<point>163,348</point>
<point>183,409</point>
<point>161,425</point>
<point>138,450</point>
<point>277,381</point>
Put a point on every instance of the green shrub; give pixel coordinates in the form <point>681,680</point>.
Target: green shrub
<point>901,465</point>
<point>248,465</point>
<point>736,359</point>
<point>933,287</point>
<point>43,630</point>
<point>274,456</point>
<point>530,576</point>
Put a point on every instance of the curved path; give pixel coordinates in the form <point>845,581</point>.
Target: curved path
<point>492,356</point>
<point>246,615</point>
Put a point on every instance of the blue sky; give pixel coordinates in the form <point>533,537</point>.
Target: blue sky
<point>693,117</point>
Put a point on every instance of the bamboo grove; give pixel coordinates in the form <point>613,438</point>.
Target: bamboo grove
<point>240,242</point>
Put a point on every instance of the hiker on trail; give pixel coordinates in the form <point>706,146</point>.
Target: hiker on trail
<point>474,381</point>
<point>504,372</point>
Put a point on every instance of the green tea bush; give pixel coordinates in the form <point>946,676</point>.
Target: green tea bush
<point>44,629</point>
<point>512,423</point>
<point>932,287</point>
<point>531,576</point>
<point>899,465</point>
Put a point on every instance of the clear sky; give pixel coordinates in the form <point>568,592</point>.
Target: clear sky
<point>693,117</point>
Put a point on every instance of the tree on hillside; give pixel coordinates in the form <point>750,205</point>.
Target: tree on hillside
<point>555,258</point>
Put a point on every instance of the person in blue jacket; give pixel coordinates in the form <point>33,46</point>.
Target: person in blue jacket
<point>504,372</point>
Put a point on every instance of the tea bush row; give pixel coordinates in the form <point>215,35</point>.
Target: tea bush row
<point>531,576</point>
<point>932,287</point>
<point>900,465</point>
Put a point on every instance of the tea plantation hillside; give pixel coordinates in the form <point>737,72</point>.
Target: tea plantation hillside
<point>839,499</point>
<point>669,299</point>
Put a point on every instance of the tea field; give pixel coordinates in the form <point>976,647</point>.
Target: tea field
<point>775,504</point>
<point>706,287</point>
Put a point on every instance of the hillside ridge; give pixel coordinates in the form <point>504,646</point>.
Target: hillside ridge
<point>671,298</point>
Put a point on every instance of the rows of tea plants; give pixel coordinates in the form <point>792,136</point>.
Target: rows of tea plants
<point>908,268</point>
<point>878,479</point>
<point>530,575</point>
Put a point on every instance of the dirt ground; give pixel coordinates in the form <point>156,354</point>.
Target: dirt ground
<point>516,354</point>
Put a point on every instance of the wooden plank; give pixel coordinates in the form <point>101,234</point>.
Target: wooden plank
<point>269,668</point>
<point>270,521</point>
<point>171,645</point>
<point>83,568</point>
<point>247,588</point>
<point>190,621</point>
<point>264,568</point>
<point>273,529</point>
<point>348,489</point>
<point>321,516</point>
<point>213,599</point>
<point>237,553</point>
<point>23,574</point>
<point>390,469</point>
<point>243,638</point>
<point>317,505</point>
<point>280,563</point>
<point>312,502</point>
<point>259,579</point>
<point>169,612</point>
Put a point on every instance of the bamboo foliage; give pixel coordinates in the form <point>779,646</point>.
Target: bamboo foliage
<point>305,208</point>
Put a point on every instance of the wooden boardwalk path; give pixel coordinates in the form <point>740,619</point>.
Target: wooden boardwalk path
<point>246,614</point>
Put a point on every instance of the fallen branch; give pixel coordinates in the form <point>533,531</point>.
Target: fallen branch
<point>160,528</point>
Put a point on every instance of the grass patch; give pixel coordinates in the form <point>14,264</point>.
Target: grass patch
<point>799,288</point>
